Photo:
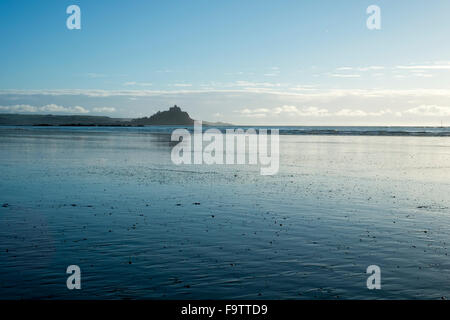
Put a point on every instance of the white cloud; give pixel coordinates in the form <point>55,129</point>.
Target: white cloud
<point>260,110</point>
<point>340,75</point>
<point>369,68</point>
<point>423,75</point>
<point>182,85</point>
<point>292,111</point>
<point>56,108</point>
<point>361,113</point>
<point>18,108</point>
<point>425,67</point>
<point>351,113</point>
<point>104,109</point>
<point>137,84</point>
<point>304,88</point>
<point>238,73</point>
<point>254,113</point>
<point>305,112</point>
<point>51,108</point>
<point>429,110</point>
<point>250,84</point>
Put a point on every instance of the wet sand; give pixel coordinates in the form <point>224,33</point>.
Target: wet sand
<point>140,227</point>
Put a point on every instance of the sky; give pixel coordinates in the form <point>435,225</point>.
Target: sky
<point>252,62</point>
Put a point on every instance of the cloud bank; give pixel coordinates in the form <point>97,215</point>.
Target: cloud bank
<point>53,109</point>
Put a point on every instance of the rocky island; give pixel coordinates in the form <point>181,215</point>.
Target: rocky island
<point>174,116</point>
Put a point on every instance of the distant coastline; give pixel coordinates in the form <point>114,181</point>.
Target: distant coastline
<point>172,117</point>
<point>176,117</point>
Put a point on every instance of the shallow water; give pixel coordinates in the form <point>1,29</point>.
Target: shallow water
<point>112,202</point>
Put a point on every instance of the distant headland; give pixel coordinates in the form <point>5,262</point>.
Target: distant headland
<point>174,116</point>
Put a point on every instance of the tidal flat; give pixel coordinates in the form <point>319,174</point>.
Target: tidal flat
<point>112,202</point>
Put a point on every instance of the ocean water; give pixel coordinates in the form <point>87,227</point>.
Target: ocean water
<point>110,201</point>
<point>284,130</point>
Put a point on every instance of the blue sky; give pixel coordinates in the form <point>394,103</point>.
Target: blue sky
<point>247,62</point>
